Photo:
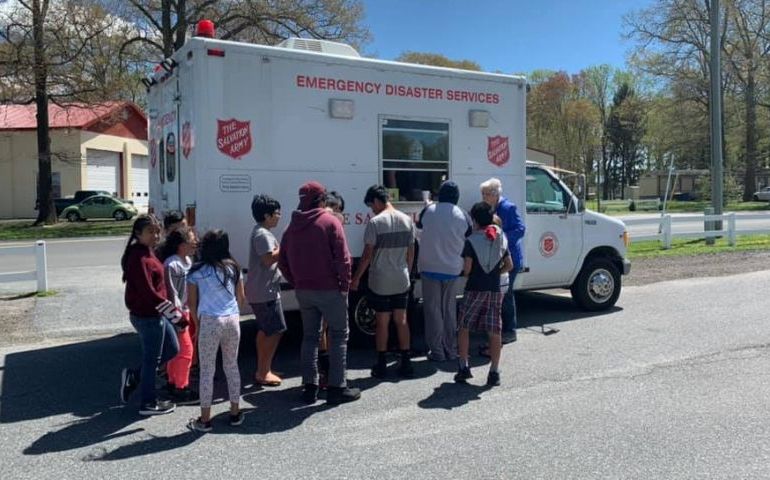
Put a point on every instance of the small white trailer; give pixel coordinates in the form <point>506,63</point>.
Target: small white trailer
<point>229,120</point>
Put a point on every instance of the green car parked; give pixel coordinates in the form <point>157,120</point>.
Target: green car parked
<point>99,206</point>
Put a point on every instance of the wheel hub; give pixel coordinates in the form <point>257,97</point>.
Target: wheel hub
<point>601,285</point>
<point>364,318</point>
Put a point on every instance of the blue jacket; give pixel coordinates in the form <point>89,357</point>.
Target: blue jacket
<point>513,228</point>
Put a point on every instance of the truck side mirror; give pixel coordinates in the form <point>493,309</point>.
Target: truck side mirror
<point>581,205</point>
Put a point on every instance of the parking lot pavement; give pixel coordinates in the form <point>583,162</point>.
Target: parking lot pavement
<point>670,384</point>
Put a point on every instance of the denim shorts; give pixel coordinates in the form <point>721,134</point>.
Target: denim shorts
<point>269,316</point>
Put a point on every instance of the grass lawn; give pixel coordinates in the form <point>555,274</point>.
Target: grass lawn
<point>620,207</point>
<point>688,247</point>
<point>23,229</point>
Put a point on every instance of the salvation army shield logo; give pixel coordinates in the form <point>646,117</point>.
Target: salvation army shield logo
<point>549,244</point>
<point>186,139</point>
<point>234,137</point>
<point>497,150</point>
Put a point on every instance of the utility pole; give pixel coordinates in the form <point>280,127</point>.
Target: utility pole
<point>715,109</point>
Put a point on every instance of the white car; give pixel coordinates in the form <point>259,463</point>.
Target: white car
<point>763,195</point>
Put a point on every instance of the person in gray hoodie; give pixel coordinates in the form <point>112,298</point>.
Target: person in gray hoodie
<point>444,227</point>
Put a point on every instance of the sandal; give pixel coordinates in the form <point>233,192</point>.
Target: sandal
<point>266,383</point>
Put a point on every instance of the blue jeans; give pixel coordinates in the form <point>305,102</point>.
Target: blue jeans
<point>159,345</point>
<point>509,305</point>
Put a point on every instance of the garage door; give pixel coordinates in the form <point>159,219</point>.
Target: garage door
<point>103,170</point>
<point>140,181</point>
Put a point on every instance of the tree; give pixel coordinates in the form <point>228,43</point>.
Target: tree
<point>164,24</point>
<point>625,130</point>
<point>437,60</point>
<point>41,39</point>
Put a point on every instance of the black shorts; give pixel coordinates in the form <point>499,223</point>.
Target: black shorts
<point>387,303</point>
<point>269,316</point>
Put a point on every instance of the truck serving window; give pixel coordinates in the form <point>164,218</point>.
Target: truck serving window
<point>414,157</point>
<point>544,194</point>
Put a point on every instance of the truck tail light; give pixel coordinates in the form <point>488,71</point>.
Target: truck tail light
<point>215,52</point>
<point>189,214</point>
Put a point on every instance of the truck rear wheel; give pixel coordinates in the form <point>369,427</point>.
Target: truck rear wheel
<point>597,287</point>
<point>361,320</point>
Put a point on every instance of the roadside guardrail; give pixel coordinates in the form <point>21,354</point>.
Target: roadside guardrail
<point>40,273</point>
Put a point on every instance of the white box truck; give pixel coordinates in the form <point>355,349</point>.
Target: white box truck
<point>229,120</point>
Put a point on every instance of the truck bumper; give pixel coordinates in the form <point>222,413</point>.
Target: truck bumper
<point>626,266</point>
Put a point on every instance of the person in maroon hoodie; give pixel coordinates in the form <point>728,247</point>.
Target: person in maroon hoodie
<point>150,312</point>
<point>314,258</point>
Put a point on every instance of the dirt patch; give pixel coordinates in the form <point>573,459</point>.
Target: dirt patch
<point>16,319</point>
<point>660,269</point>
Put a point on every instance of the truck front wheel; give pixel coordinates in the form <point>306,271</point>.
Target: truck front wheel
<point>597,287</point>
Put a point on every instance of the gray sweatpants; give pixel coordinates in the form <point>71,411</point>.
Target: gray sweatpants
<point>440,311</point>
<point>332,306</point>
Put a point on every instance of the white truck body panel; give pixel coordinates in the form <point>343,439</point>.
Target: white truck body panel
<point>246,119</point>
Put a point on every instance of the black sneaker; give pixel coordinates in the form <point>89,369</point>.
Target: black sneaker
<point>493,379</point>
<point>463,375</point>
<point>309,393</point>
<point>236,419</point>
<point>508,337</point>
<point>129,380</point>
<point>159,407</point>
<point>380,370</point>
<point>184,396</point>
<point>198,425</point>
<point>338,395</point>
<point>405,368</point>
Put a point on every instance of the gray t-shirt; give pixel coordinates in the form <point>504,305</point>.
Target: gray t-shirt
<point>263,284</point>
<point>391,232</point>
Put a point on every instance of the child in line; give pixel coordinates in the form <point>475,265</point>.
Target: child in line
<point>176,252</point>
<point>486,257</point>
<point>215,290</point>
<point>263,287</point>
<point>150,312</point>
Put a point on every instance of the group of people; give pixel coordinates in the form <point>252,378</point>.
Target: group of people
<point>184,294</point>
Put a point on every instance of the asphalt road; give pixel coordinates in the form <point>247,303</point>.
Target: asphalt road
<point>671,384</point>
<point>66,253</point>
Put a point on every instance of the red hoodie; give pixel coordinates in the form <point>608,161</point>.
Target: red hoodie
<point>145,282</point>
<point>314,253</point>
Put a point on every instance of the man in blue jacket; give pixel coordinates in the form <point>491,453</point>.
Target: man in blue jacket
<point>513,227</point>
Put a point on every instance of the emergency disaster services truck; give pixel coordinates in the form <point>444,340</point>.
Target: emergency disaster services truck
<point>230,120</point>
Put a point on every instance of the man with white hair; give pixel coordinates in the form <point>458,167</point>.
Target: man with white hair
<point>513,227</point>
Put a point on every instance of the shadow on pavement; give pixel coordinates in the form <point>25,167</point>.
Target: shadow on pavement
<point>452,395</point>
<point>82,380</point>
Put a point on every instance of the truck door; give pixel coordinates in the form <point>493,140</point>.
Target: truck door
<point>168,156</point>
<point>554,238</point>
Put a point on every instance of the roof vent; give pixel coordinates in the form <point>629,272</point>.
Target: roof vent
<point>319,46</point>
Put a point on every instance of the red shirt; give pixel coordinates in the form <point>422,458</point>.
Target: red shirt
<point>145,282</point>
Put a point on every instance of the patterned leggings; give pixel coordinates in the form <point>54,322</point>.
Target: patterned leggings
<point>218,332</point>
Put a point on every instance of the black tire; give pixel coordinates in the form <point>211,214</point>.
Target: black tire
<point>120,215</point>
<point>598,285</point>
<point>756,198</point>
<point>73,217</point>
<point>361,320</point>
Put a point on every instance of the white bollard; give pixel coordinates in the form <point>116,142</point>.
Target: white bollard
<point>41,265</point>
<point>666,231</point>
<point>731,229</point>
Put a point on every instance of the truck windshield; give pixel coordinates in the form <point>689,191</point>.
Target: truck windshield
<point>544,193</point>
<point>414,157</point>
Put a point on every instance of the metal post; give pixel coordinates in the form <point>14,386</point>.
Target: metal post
<point>731,229</point>
<point>709,225</point>
<point>715,109</point>
<point>41,265</point>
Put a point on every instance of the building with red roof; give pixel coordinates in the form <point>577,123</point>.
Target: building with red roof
<point>95,147</point>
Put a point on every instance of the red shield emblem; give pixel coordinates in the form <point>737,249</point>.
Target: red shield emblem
<point>549,244</point>
<point>234,137</point>
<point>497,150</point>
<point>186,139</point>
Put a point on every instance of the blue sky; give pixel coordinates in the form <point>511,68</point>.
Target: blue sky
<point>507,35</point>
